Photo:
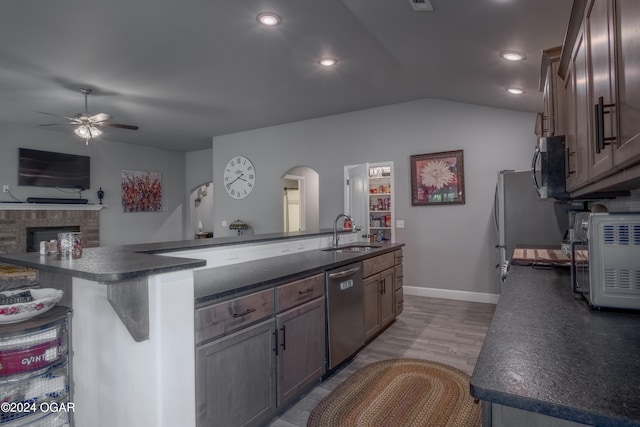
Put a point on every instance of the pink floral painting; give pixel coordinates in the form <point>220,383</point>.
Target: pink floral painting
<point>437,178</point>
<point>141,191</point>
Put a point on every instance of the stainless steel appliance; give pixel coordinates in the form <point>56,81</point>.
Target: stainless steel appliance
<point>522,218</point>
<point>345,313</point>
<point>549,166</point>
<point>605,258</point>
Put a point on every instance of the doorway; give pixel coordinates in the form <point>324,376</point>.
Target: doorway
<point>293,215</point>
<point>201,207</point>
<point>301,199</point>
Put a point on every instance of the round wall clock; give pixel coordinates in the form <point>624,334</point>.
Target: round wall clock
<point>239,177</point>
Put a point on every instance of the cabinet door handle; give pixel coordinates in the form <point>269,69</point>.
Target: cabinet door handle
<point>567,163</point>
<point>601,141</point>
<point>306,291</point>
<point>284,338</point>
<point>244,313</point>
<point>275,334</point>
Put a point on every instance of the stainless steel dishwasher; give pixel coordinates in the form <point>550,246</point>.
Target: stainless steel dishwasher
<point>345,313</point>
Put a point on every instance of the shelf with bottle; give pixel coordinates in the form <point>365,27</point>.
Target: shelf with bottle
<point>377,220</point>
<point>380,204</point>
<point>380,235</point>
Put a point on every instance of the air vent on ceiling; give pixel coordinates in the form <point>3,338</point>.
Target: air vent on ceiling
<point>421,5</point>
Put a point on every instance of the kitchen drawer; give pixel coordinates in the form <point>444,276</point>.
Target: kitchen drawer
<point>218,319</point>
<point>291,294</point>
<point>398,256</point>
<point>377,264</point>
<point>398,276</point>
<point>399,297</point>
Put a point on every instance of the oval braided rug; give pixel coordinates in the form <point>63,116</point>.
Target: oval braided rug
<point>399,392</point>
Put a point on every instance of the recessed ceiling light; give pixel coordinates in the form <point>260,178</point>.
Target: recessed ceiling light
<point>515,90</point>
<point>512,55</point>
<point>327,62</point>
<point>269,19</point>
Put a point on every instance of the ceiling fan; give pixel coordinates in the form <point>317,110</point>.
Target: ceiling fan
<point>88,126</point>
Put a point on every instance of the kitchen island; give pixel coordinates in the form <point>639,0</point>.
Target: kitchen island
<point>549,359</point>
<point>133,319</point>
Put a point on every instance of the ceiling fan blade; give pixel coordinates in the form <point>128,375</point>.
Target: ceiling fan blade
<point>73,119</point>
<point>118,125</point>
<point>100,117</point>
<point>60,124</point>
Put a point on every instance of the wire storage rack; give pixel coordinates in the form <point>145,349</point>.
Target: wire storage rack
<point>35,371</point>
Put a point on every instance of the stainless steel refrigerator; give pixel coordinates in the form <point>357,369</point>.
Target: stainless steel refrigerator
<point>522,218</point>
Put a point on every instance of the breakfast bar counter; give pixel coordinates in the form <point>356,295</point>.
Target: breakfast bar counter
<point>548,354</point>
<point>133,313</point>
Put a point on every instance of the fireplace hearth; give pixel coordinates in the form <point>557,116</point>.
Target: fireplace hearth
<point>35,235</point>
<point>16,224</point>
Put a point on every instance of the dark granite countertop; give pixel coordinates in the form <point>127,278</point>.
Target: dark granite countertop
<point>104,264</point>
<point>546,351</point>
<point>181,245</point>
<point>234,280</point>
<point>119,263</point>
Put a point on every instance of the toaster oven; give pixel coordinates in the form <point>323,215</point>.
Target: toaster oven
<point>605,259</point>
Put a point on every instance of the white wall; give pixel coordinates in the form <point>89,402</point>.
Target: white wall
<point>447,247</point>
<point>108,159</point>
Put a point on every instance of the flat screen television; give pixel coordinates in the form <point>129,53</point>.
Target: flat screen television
<point>47,169</point>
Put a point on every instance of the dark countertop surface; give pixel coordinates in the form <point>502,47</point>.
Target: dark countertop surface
<point>546,351</point>
<point>237,279</point>
<point>119,263</point>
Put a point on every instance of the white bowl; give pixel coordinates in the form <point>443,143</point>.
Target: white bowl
<point>43,300</point>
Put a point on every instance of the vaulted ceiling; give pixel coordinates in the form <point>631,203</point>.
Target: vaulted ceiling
<point>188,70</point>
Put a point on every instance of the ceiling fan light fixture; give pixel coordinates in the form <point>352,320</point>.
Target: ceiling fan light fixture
<point>269,19</point>
<point>87,132</point>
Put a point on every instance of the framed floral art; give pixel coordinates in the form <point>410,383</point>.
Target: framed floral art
<point>141,191</point>
<point>437,178</point>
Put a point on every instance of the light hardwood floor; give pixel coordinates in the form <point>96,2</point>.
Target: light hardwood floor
<point>441,330</point>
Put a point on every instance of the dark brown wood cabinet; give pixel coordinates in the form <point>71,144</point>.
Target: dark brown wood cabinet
<point>301,352</point>
<point>577,123</point>
<point>379,293</point>
<point>552,121</point>
<point>599,65</point>
<point>236,378</point>
<point>246,371</point>
<point>601,68</point>
<point>627,41</point>
<point>398,282</point>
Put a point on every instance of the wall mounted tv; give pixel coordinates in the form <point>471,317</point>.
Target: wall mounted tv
<point>46,169</point>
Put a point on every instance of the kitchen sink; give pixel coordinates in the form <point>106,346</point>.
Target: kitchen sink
<point>351,248</point>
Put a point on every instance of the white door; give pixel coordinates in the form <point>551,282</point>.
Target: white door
<point>356,197</point>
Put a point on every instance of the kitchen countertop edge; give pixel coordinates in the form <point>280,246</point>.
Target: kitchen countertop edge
<point>235,280</point>
<point>546,352</point>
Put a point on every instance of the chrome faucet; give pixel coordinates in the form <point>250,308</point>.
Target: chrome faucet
<point>335,227</point>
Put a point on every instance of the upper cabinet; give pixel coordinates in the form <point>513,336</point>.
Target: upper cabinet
<point>627,18</point>
<point>552,120</point>
<point>601,52</point>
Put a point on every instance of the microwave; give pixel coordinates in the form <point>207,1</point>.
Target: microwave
<point>548,168</point>
<point>605,259</point>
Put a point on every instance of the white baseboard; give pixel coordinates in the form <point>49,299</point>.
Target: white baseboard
<point>450,294</point>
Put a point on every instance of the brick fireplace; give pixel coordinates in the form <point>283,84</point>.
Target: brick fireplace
<point>15,220</point>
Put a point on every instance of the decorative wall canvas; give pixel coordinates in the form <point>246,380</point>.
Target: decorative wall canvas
<point>437,178</point>
<point>141,191</point>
